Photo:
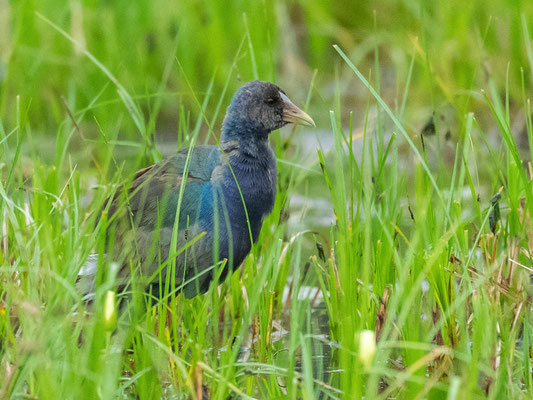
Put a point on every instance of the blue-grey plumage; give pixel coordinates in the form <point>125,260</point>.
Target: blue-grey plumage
<point>213,223</point>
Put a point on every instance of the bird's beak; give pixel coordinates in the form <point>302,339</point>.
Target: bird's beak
<point>293,114</point>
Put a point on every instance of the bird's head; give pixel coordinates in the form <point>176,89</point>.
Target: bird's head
<point>259,108</point>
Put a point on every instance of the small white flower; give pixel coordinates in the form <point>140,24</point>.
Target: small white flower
<point>367,347</point>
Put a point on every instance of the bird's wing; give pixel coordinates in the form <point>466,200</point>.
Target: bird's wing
<point>153,196</point>
<point>141,217</point>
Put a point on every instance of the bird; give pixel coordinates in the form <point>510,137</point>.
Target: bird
<point>193,217</point>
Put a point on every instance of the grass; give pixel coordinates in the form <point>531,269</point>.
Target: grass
<point>419,249</point>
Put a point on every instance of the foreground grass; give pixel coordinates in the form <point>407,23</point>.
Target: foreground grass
<point>422,252</point>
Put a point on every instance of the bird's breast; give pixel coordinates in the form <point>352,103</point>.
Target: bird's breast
<point>258,191</point>
<point>253,181</point>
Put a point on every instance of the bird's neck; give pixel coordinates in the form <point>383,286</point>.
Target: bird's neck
<point>252,164</point>
<point>250,175</point>
<point>248,138</point>
<point>247,151</point>
<point>249,154</point>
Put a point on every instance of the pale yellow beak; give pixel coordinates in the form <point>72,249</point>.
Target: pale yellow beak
<point>293,114</point>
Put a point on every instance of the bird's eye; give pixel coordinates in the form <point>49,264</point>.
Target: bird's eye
<point>270,100</point>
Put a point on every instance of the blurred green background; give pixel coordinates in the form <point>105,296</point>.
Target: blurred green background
<point>165,53</point>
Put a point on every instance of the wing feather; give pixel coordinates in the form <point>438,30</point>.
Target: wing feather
<point>143,216</point>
